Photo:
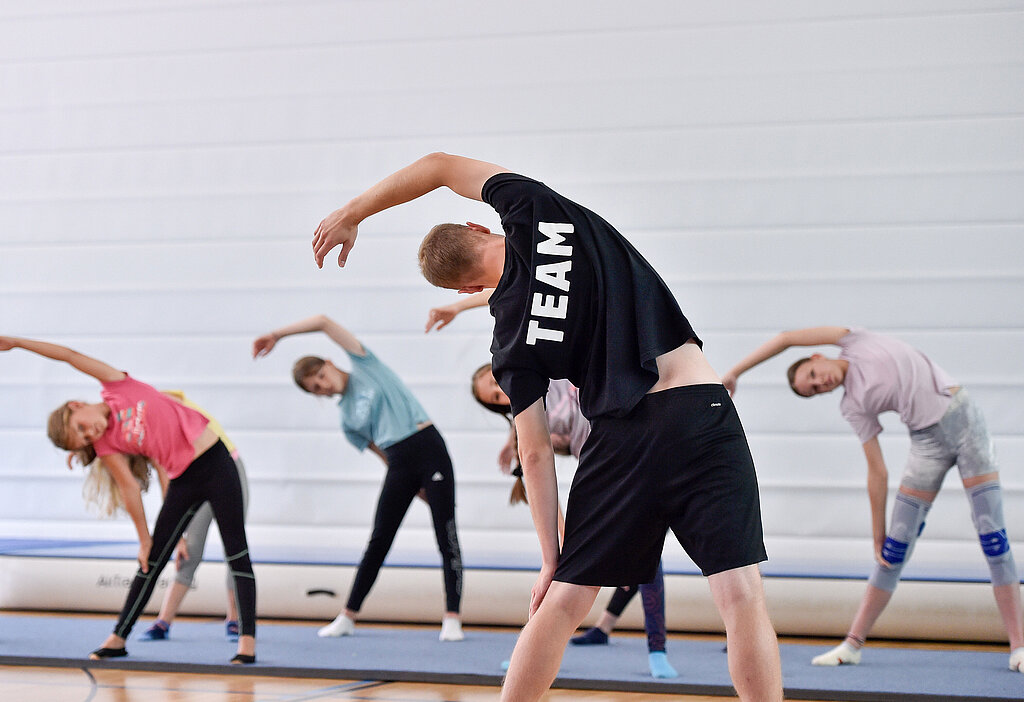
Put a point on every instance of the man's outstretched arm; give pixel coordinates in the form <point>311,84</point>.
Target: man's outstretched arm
<point>464,176</point>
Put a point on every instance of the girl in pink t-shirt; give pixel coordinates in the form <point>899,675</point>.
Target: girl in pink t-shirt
<point>134,419</point>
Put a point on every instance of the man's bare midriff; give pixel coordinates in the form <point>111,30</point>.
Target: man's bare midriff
<point>685,365</point>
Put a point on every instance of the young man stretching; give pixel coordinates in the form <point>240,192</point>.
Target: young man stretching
<point>573,299</point>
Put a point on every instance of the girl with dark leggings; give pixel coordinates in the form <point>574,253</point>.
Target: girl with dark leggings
<point>135,419</point>
<point>379,413</point>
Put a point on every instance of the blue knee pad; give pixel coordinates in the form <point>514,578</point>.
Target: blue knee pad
<point>907,523</point>
<point>987,513</point>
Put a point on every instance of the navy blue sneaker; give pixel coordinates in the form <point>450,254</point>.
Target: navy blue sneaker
<point>158,632</point>
<point>593,637</point>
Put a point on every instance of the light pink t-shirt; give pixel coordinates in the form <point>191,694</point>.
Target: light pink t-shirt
<point>145,421</point>
<point>886,374</point>
<point>562,406</point>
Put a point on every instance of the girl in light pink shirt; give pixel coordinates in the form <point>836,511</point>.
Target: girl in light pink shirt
<point>133,420</point>
<point>882,374</point>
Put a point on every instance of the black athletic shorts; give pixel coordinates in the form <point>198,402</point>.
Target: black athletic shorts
<point>678,461</point>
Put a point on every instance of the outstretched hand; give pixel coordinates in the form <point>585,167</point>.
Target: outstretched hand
<point>334,230</point>
<point>263,345</point>
<point>441,317</point>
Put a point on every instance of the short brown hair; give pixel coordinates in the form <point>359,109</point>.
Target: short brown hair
<point>305,367</point>
<point>447,254</point>
<point>791,374</point>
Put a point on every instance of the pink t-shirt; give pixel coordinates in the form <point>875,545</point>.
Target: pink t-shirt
<point>562,406</point>
<point>145,421</point>
<point>885,375</point>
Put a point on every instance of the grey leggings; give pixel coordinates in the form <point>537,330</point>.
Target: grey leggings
<point>199,527</point>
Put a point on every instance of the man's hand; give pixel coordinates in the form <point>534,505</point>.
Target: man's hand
<point>335,229</point>
<point>440,316</point>
<point>540,588</point>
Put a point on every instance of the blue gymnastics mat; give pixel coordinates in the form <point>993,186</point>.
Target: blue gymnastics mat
<point>415,655</point>
<point>676,562</point>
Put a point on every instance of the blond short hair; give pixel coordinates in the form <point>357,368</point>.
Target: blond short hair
<point>448,255</point>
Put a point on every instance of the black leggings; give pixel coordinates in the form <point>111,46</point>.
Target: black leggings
<point>211,477</point>
<point>419,461</point>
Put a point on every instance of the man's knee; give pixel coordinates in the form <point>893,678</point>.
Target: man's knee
<point>737,589</point>
<point>574,600</point>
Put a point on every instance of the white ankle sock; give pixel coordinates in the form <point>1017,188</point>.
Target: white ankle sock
<point>1017,659</point>
<point>842,654</point>
<point>341,626</point>
<point>451,629</point>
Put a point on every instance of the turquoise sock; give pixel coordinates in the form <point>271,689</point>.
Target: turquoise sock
<point>659,665</point>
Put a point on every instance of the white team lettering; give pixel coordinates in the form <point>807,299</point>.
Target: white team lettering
<point>549,306</point>
<point>536,331</point>
<point>554,246</point>
<point>555,275</point>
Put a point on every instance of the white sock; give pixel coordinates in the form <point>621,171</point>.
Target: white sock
<point>341,626</point>
<point>843,654</point>
<point>1017,659</point>
<point>451,629</point>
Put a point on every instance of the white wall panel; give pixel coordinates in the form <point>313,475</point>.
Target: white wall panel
<point>163,165</point>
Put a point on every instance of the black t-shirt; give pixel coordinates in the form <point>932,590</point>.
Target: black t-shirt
<point>575,301</point>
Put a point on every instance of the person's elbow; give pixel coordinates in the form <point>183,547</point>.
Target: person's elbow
<point>535,458</point>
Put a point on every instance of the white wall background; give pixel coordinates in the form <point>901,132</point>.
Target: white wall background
<point>163,164</point>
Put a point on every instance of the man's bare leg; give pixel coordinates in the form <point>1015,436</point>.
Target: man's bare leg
<point>754,663</point>
<point>538,653</point>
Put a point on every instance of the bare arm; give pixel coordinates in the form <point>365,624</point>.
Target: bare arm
<point>812,336</point>
<point>878,493</point>
<point>319,323</point>
<point>538,463</point>
<point>464,176</point>
<point>117,464</point>
<point>443,316</point>
<point>161,475</point>
<point>90,366</point>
